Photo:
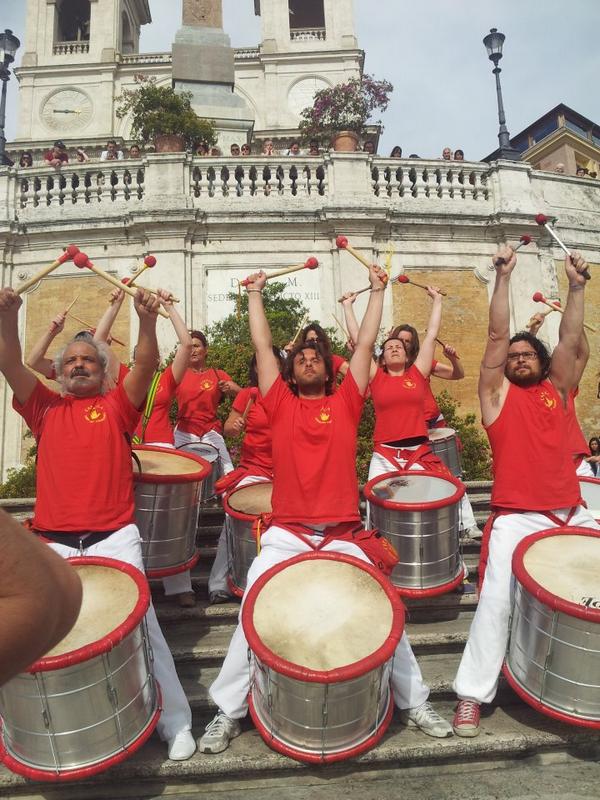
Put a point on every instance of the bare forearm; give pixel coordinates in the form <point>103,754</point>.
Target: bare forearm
<point>10,346</point>
<point>499,324</point>
<point>106,322</point>
<point>37,354</point>
<point>371,322</point>
<point>458,372</point>
<point>351,321</point>
<point>571,324</point>
<point>259,324</point>
<point>146,350</point>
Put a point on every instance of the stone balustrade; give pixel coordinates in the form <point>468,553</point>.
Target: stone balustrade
<point>70,48</point>
<point>307,34</point>
<point>145,58</point>
<point>419,178</point>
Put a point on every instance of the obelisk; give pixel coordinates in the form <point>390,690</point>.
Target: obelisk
<point>203,64</point>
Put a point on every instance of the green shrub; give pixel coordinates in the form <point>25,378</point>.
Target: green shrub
<point>476,458</point>
<point>20,482</point>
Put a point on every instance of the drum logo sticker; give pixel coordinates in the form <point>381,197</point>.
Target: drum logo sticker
<point>95,414</point>
<point>408,383</point>
<point>590,602</point>
<point>548,400</point>
<point>324,417</point>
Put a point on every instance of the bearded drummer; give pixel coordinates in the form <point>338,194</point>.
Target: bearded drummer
<point>315,495</point>
<point>523,393</point>
<point>85,504</point>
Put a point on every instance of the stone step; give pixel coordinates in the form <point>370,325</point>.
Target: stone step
<point>507,733</point>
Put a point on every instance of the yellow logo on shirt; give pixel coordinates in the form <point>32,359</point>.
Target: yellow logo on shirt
<point>408,383</point>
<point>547,399</point>
<point>324,417</point>
<point>207,385</point>
<point>95,414</point>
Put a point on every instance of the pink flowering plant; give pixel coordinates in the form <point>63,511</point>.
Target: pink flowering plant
<point>345,107</point>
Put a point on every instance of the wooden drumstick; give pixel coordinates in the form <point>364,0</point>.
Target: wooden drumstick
<point>343,244</point>
<point>251,400</point>
<point>71,304</point>
<point>71,251</point>
<point>439,341</point>
<point>544,222</point>
<point>302,324</point>
<point>149,262</point>
<point>368,288</point>
<point>91,328</point>
<point>532,322</point>
<point>172,297</point>
<point>310,263</point>
<point>538,297</point>
<point>345,333</point>
<point>406,279</point>
<point>82,262</point>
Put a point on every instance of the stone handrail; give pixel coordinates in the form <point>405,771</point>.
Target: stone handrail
<point>258,177</point>
<point>70,48</point>
<point>307,34</point>
<point>393,178</point>
<point>145,58</point>
<point>100,182</point>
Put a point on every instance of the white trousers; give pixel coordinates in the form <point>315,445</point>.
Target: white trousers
<point>125,545</point>
<point>479,669</point>
<point>379,465</point>
<point>230,689</point>
<point>585,469</point>
<point>217,580</point>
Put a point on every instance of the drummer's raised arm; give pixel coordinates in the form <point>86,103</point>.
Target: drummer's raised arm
<point>19,378</point>
<point>361,361</point>
<point>137,381</point>
<point>266,363</point>
<point>184,349</point>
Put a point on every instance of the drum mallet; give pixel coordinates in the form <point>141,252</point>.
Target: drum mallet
<point>439,341</point>
<point>70,253</point>
<point>93,330</point>
<point>543,221</point>
<point>82,262</point>
<point>538,297</point>
<point>310,263</point>
<point>251,400</point>
<point>303,322</point>
<point>406,279</point>
<point>544,314</point>
<point>149,262</point>
<point>368,288</point>
<point>482,273</point>
<point>343,244</point>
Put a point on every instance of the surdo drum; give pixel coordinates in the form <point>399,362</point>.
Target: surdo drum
<point>208,453</point>
<point>167,503</point>
<point>243,506</point>
<point>418,513</point>
<point>322,628</point>
<point>553,656</point>
<point>91,701</point>
<point>590,492</point>
<point>444,444</point>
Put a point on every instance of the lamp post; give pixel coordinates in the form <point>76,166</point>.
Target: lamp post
<point>9,45</point>
<point>493,44</point>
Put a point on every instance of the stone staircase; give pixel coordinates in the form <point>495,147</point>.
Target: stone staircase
<point>513,735</point>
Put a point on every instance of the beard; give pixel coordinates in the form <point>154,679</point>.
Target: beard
<point>525,380</point>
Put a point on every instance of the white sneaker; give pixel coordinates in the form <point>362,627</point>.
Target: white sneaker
<point>219,733</point>
<point>182,746</point>
<point>428,720</point>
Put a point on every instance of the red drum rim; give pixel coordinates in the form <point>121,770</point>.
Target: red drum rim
<point>166,572</point>
<point>587,479</point>
<point>111,639</point>
<point>234,588</point>
<point>433,591</point>
<point>233,512</point>
<point>539,592</point>
<point>193,477</point>
<point>435,504</point>
<point>542,707</point>
<point>79,773</point>
<point>348,672</point>
<point>315,758</point>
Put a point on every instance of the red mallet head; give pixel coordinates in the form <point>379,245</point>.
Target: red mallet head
<point>541,219</point>
<point>403,279</point>
<point>525,239</point>
<point>538,297</point>
<point>70,252</point>
<point>125,280</point>
<point>81,260</point>
<point>341,242</point>
<point>150,261</point>
<point>311,263</point>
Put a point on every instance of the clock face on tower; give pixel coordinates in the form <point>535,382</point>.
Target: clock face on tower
<point>66,110</point>
<point>302,93</point>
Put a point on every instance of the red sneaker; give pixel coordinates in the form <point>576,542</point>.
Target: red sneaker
<point>466,718</point>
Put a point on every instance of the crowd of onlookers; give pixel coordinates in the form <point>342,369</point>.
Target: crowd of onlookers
<point>57,155</point>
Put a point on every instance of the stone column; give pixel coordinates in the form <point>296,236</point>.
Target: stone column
<point>203,64</point>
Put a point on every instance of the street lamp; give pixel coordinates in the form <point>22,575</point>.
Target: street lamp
<point>493,44</point>
<point>9,45</point>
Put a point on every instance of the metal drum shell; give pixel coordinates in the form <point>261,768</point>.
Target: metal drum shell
<point>447,450</point>
<point>166,512</point>
<point>553,653</point>
<point>207,490</point>
<point>98,710</point>
<point>287,702</point>
<point>241,542</point>
<point>590,492</point>
<point>425,536</point>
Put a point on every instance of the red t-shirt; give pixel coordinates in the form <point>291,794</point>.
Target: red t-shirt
<point>84,475</point>
<point>198,396</point>
<point>399,404</point>
<point>159,428</point>
<point>578,446</point>
<point>531,457</point>
<point>256,446</point>
<point>338,362</point>
<point>314,454</point>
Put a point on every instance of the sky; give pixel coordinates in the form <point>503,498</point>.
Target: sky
<point>432,52</point>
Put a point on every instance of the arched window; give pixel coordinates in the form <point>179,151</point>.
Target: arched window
<point>73,21</point>
<point>307,19</point>
<point>127,42</point>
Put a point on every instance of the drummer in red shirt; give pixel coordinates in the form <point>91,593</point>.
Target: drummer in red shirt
<point>523,393</point>
<point>247,416</point>
<point>315,494</point>
<point>315,333</point>
<point>198,397</point>
<point>84,499</point>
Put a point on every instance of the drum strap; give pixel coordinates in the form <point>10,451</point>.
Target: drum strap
<point>422,455</point>
<point>78,540</point>
<point>150,400</point>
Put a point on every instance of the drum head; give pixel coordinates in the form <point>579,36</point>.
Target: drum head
<point>253,500</point>
<point>160,465</point>
<point>324,613</point>
<point>590,491</point>
<point>413,490</point>
<point>441,434</point>
<point>202,449</point>
<point>567,566</point>
<point>115,598</point>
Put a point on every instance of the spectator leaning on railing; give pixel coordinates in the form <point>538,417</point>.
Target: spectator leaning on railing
<point>57,155</point>
<point>112,152</point>
<point>26,159</point>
